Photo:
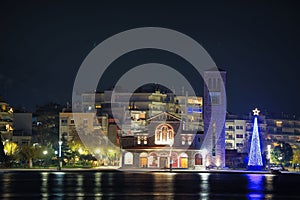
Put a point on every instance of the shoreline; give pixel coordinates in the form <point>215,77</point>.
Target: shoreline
<point>132,170</point>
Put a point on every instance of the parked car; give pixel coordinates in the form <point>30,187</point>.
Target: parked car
<point>276,168</point>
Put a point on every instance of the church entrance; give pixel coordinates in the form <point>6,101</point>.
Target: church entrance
<point>143,160</point>
<point>198,159</point>
<point>183,160</point>
<point>163,162</point>
<point>153,160</point>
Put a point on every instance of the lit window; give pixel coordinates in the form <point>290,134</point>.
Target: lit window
<point>164,133</point>
<point>189,140</point>
<point>183,140</point>
<point>98,106</point>
<point>279,123</point>
<point>142,140</point>
<point>139,140</point>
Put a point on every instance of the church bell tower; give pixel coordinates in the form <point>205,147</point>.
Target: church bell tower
<point>214,117</point>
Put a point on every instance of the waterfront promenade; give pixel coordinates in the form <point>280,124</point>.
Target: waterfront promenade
<point>135,170</point>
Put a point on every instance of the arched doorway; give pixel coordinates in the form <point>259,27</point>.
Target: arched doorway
<point>128,158</point>
<point>198,159</point>
<point>183,160</point>
<point>153,160</point>
<point>164,158</point>
<point>143,160</point>
<point>174,160</point>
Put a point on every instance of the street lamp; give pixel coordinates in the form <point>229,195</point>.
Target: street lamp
<point>59,155</point>
<point>269,154</point>
<point>171,162</point>
<point>45,152</point>
<point>204,153</point>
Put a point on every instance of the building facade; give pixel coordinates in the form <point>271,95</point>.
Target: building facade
<point>6,121</point>
<point>236,136</point>
<point>22,125</point>
<point>163,144</point>
<point>287,130</point>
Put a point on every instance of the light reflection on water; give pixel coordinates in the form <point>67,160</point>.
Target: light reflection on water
<point>161,185</point>
<point>163,189</point>
<point>256,186</point>
<point>6,185</point>
<point>44,186</point>
<point>204,186</point>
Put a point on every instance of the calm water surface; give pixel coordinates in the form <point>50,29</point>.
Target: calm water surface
<point>122,185</point>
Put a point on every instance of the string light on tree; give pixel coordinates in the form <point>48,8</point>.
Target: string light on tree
<point>255,158</point>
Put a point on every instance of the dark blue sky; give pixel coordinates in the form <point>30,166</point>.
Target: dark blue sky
<point>42,45</point>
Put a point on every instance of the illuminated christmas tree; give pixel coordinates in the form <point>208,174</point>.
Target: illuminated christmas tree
<point>255,158</point>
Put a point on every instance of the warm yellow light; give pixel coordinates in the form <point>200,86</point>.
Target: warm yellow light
<point>10,148</point>
<point>275,144</point>
<point>207,163</point>
<point>195,100</point>
<point>8,127</point>
<point>218,163</point>
<point>80,150</point>
<point>3,107</point>
<point>278,123</point>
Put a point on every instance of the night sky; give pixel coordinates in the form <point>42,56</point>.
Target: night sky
<point>42,45</point>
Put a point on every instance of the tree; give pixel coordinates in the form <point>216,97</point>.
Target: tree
<point>296,156</point>
<point>255,158</point>
<point>66,152</point>
<point>11,148</point>
<point>2,153</point>
<point>282,153</point>
<point>27,153</point>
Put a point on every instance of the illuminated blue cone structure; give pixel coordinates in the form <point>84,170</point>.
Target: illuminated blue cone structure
<point>255,158</point>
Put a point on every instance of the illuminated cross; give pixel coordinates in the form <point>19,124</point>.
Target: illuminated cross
<point>256,111</point>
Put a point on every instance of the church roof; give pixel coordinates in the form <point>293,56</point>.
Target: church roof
<point>166,114</point>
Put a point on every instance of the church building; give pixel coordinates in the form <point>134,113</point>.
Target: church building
<point>164,142</point>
